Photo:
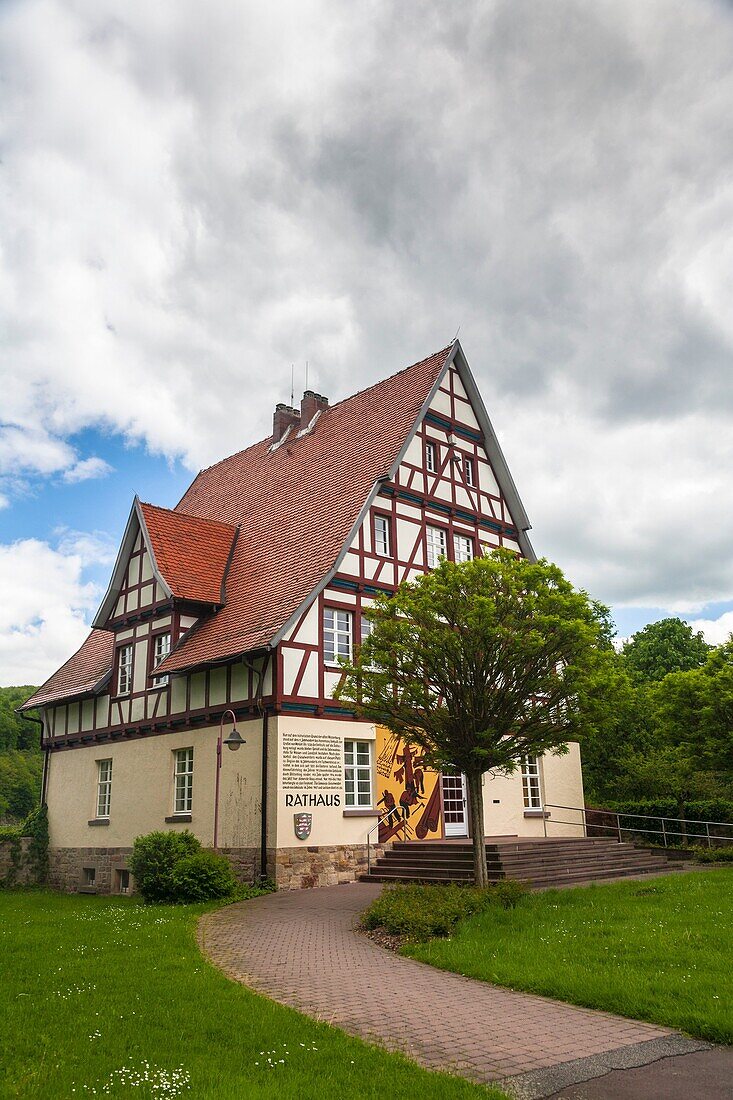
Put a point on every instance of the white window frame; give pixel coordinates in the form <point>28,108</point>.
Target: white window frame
<point>382,536</point>
<point>160,652</point>
<point>338,635</point>
<point>431,457</point>
<point>104,787</point>
<point>183,781</point>
<point>436,545</point>
<point>125,661</point>
<point>358,782</point>
<point>531,783</point>
<point>469,470</point>
<point>463,549</point>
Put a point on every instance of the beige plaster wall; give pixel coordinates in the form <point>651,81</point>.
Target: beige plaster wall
<point>561,782</point>
<point>142,789</point>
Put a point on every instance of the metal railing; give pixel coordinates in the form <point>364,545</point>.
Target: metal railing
<point>667,828</point>
<point>400,824</point>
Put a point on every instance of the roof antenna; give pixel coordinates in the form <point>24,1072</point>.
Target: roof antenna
<point>292,384</point>
<point>456,335</point>
<point>306,374</point>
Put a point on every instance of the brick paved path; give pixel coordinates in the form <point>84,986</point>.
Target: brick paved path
<point>300,948</point>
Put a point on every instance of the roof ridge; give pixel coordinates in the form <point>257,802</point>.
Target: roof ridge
<point>382,381</point>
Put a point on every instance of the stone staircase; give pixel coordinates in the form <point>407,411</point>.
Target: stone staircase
<point>540,861</point>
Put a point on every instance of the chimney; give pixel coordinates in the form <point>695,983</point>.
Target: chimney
<point>282,419</point>
<point>310,404</point>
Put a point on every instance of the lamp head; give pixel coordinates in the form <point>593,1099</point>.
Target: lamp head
<point>234,740</point>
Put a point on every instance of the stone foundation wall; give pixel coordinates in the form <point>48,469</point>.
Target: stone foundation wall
<point>324,865</point>
<point>67,866</point>
<point>245,863</point>
<point>16,869</point>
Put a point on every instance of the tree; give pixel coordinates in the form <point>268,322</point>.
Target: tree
<point>663,647</point>
<point>15,731</point>
<point>695,710</point>
<point>479,665</point>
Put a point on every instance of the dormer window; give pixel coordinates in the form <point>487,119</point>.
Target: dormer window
<point>431,458</point>
<point>382,540</point>
<point>161,649</point>
<point>124,669</point>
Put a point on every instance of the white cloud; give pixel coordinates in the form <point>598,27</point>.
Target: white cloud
<point>715,631</point>
<point>87,468</point>
<point>185,214</point>
<point>45,603</point>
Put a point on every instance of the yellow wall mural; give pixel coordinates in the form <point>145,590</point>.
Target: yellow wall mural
<point>408,792</point>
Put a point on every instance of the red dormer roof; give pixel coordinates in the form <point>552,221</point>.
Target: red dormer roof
<point>191,553</point>
<point>83,674</point>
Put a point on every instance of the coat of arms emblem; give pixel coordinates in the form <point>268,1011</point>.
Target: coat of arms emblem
<point>302,823</point>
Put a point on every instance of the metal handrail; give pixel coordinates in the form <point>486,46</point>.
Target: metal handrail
<point>664,827</point>
<point>376,826</point>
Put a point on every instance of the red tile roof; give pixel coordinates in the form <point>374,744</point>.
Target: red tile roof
<point>191,553</point>
<point>81,674</point>
<point>294,508</point>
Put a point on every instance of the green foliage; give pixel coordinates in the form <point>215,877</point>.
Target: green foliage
<point>420,912</point>
<point>695,710</point>
<point>479,664</point>
<point>35,826</point>
<point>20,782</point>
<point>17,732</point>
<point>656,950</point>
<point>713,855</point>
<point>202,876</point>
<point>663,647</point>
<point>154,858</point>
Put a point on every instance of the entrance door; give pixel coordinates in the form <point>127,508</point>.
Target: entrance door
<point>454,804</point>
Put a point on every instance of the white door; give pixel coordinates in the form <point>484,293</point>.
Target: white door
<point>454,804</point>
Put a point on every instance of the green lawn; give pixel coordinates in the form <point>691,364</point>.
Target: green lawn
<point>97,992</point>
<point>660,950</point>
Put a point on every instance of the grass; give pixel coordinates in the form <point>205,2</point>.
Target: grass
<point>657,950</point>
<point>95,989</point>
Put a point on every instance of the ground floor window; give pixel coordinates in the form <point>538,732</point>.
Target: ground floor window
<point>104,787</point>
<point>531,783</point>
<point>358,773</point>
<point>183,800</point>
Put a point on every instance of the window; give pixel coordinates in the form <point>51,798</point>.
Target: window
<point>431,458</point>
<point>468,471</point>
<point>183,774</point>
<point>123,881</point>
<point>358,773</point>
<point>337,635</point>
<point>531,783</point>
<point>381,536</point>
<point>89,876</point>
<point>437,544</point>
<point>462,548</point>
<point>124,670</point>
<point>104,787</point>
<point>161,649</point>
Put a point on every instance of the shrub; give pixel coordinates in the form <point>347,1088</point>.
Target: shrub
<point>154,858</point>
<point>713,855</point>
<point>202,877</point>
<point>420,912</point>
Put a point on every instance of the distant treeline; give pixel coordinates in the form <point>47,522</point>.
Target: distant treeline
<point>21,761</point>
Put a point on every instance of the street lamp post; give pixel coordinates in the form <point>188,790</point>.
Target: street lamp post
<point>233,742</point>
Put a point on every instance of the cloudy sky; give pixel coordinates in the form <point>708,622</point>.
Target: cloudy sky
<point>194,196</point>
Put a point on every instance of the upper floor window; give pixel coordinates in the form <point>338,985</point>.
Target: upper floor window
<point>437,545</point>
<point>382,540</point>
<point>462,548</point>
<point>468,472</point>
<point>531,783</point>
<point>104,787</point>
<point>358,773</point>
<point>161,649</point>
<point>183,781</point>
<point>431,458</point>
<point>124,669</point>
<point>337,635</point>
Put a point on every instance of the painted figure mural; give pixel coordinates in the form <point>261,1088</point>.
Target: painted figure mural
<point>409,793</point>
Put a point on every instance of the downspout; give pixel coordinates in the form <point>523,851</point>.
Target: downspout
<point>44,749</point>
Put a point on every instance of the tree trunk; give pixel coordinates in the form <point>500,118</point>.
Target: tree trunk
<point>476,815</point>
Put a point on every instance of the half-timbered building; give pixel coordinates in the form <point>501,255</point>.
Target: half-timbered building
<point>239,603</point>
